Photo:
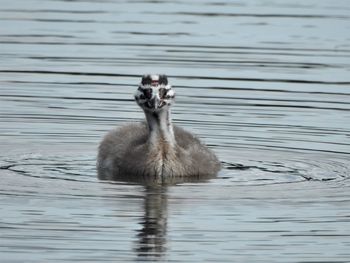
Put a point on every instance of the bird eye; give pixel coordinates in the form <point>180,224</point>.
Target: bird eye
<point>162,93</point>
<point>147,93</point>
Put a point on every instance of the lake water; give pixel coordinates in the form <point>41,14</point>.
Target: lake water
<point>265,84</point>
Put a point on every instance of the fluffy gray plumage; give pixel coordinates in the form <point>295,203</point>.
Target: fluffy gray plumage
<point>156,150</point>
<point>126,152</point>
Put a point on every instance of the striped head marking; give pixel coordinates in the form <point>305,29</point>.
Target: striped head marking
<point>154,93</point>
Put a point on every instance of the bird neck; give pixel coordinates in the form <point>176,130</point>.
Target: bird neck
<point>160,127</point>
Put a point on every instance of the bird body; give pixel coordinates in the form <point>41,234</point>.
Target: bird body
<point>156,150</point>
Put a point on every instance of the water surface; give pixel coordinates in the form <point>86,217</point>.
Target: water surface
<point>265,84</point>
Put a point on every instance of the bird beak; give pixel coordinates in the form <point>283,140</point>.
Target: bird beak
<point>154,103</point>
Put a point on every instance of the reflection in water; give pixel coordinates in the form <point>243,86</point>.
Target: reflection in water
<point>152,236</point>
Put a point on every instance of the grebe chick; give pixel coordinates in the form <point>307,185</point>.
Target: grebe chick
<point>157,149</point>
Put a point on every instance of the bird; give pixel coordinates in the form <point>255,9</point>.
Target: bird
<point>154,150</point>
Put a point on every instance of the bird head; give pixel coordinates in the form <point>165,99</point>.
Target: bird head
<point>154,93</point>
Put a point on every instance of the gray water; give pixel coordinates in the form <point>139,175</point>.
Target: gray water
<point>265,84</point>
